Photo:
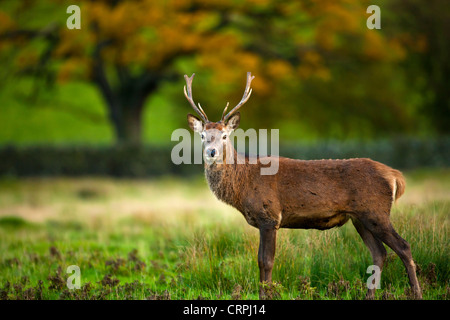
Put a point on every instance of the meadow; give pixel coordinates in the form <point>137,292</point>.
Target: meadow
<point>169,238</point>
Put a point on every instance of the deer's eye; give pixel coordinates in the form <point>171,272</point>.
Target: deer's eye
<point>224,136</point>
<point>203,136</point>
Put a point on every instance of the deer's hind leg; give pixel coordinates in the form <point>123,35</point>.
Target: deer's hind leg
<point>376,248</point>
<point>380,226</point>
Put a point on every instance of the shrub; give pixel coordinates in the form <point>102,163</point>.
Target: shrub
<point>148,161</point>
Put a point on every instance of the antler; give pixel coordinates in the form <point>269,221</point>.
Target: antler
<point>188,95</point>
<point>244,99</point>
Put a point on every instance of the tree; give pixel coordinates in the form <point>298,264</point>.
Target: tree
<point>128,49</point>
<point>425,31</point>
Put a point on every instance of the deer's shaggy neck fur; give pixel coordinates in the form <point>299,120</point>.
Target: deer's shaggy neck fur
<point>227,180</point>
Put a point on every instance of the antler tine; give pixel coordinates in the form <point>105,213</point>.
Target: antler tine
<point>245,97</point>
<point>188,95</point>
<point>203,112</point>
<point>225,110</point>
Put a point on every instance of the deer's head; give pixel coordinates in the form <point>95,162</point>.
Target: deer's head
<point>215,135</point>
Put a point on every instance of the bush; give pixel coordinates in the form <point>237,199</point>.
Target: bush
<point>117,161</point>
<point>147,161</point>
<point>400,153</point>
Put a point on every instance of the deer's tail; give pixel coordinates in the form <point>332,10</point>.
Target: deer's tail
<point>398,185</point>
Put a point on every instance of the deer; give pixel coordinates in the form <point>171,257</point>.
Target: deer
<point>303,194</point>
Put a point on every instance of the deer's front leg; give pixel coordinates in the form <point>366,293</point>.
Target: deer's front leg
<point>266,255</point>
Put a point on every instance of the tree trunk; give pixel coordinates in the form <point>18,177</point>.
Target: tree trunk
<point>132,125</point>
<point>125,102</point>
<point>127,124</point>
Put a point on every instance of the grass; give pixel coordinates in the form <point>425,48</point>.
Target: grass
<point>171,239</point>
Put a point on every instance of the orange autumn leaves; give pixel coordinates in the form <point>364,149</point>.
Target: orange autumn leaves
<point>147,35</point>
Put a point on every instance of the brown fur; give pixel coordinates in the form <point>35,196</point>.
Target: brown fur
<point>318,194</point>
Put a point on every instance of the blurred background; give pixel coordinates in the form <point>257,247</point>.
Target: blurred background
<point>81,107</point>
<point>112,90</point>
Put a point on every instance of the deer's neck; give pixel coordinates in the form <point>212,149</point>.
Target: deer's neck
<point>226,180</point>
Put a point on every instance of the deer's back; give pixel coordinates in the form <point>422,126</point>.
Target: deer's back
<point>321,193</point>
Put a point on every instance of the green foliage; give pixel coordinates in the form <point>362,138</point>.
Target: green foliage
<point>118,161</point>
<point>401,152</point>
<point>428,65</point>
<point>73,113</point>
<point>13,222</point>
<point>147,161</point>
<point>320,73</point>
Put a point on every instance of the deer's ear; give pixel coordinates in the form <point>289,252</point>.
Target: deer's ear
<point>195,123</point>
<point>233,122</point>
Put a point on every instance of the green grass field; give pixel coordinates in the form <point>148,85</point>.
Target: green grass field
<point>171,239</point>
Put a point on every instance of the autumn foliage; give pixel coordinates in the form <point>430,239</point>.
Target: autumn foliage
<point>317,65</point>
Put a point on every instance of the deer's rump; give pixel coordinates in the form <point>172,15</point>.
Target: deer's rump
<point>322,194</point>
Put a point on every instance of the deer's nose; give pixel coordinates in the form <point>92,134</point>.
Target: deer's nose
<point>211,152</point>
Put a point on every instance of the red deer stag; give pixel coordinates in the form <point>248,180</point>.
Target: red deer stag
<point>319,194</point>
